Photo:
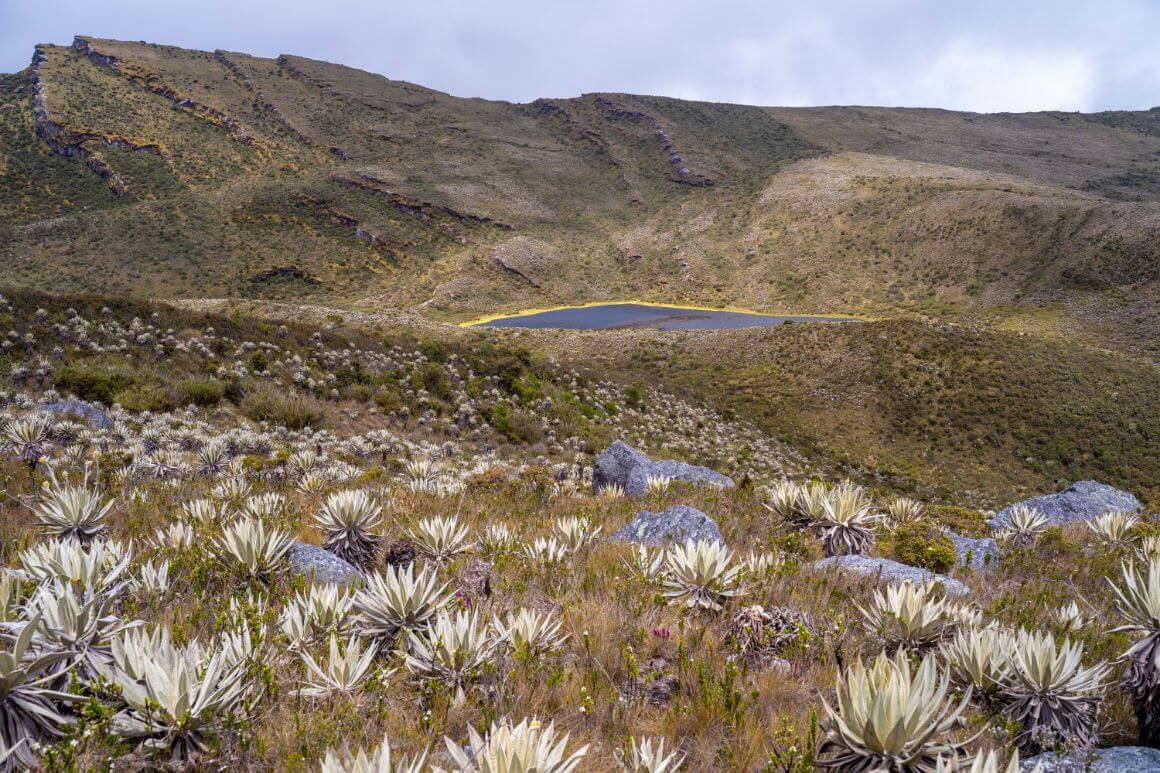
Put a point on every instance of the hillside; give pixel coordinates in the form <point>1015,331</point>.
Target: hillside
<point>142,169</point>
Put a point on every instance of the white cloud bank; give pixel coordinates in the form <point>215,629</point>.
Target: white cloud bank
<point>982,55</point>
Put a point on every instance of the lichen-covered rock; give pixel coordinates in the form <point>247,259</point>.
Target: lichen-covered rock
<point>977,553</point>
<point>1080,501</point>
<point>679,524</point>
<point>320,565</point>
<point>79,410</point>
<point>891,571</point>
<point>1115,759</point>
<point>622,465</point>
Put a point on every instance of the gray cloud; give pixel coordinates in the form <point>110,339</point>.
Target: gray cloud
<point>988,55</point>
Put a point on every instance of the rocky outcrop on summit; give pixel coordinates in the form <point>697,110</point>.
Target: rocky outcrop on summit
<point>885,570</point>
<point>63,140</point>
<point>154,83</point>
<point>678,524</point>
<point>624,466</point>
<point>684,175</point>
<point>1080,501</point>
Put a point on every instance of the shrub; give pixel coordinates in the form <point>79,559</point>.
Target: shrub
<point>518,426</point>
<point>259,362</point>
<point>389,399</point>
<point>200,391</point>
<point>357,391</point>
<point>145,398</point>
<point>433,377</point>
<point>293,411</point>
<point>94,384</point>
<point>924,545</point>
<point>235,391</point>
<point>634,396</point>
<point>528,388</point>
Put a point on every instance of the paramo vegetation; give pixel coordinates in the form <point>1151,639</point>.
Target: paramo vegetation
<point>155,609</point>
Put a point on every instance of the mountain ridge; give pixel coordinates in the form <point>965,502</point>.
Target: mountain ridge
<point>159,171</point>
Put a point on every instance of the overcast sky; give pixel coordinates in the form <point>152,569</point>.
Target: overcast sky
<point>960,54</point>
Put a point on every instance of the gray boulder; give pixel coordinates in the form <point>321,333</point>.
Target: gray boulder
<point>622,465</point>
<point>976,553</point>
<point>1080,501</point>
<point>1115,759</point>
<point>320,565</point>
<point>680,524</point>
<point>78,410</point>
<point>889,571</point>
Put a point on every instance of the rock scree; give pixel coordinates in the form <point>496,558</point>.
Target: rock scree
<point>320,565</point>
<point>891,571</point>
<point>679,523</point>
<point>622,465</point>
<point>1080,501</point>
<point>1114,759</point>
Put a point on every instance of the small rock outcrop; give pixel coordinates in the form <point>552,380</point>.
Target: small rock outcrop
<point>977,553</point>
<point>679,524</point>
<point>1080,501</point>
<point>622,465</point>
<point>80,411</point>
<point>891,571</point>
<point>532,260</point>
<point>320,565</point>
<point>1115,759</point>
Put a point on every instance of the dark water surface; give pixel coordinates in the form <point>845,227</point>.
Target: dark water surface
<point>634,315</point>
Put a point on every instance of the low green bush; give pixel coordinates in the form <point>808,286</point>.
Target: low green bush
<point>145,398</point>
<point>290,410</point>
<point>922,544</point>
<point>434,379</point>
<point>93,383</point>
<point>389,399</point>
<point>200,391</point>
<point>518,426</point>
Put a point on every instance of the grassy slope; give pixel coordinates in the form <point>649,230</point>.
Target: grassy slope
<point>951,411</point>
<point>960,413</point>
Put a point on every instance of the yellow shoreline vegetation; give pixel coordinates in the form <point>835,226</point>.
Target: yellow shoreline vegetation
<point>656,305</point>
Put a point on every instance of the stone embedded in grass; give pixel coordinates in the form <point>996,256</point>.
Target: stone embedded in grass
<point>622,465</point>
<point>320,565</point>
<point>891,571</point>
<point>679,524</point>
<point>1114,759</point>
<point>80,410</point>
<point>1080,501</point>
<point>976,553</point>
